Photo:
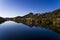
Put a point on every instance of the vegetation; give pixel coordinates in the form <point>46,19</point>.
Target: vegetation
<point>49,20</point>
<point>44,18</point>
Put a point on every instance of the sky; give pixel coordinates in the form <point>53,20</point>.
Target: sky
<point>12,8</point>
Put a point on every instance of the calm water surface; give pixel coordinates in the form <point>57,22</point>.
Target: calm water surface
<point>17,31</point>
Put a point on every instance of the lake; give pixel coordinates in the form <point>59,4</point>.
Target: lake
<point>18,31</point>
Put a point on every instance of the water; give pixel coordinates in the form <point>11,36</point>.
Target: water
<point>17,31</point>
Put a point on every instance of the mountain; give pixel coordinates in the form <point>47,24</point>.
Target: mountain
<point>44,18</point>
<point>2,20</point>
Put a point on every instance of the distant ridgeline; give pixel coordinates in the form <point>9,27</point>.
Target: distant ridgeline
<point>49,20</point>
<point>44,18</point>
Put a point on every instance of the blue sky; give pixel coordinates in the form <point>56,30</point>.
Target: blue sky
<point>12,8</point>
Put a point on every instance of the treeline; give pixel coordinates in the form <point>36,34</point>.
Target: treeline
<point>44,18</point>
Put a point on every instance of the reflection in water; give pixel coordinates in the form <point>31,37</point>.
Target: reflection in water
<point>2,22</point>
<point>15,31</point>
<point>55,28</point>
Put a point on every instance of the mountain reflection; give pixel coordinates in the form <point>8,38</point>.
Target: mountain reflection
<point>50,26</point>
<point>1,22</point>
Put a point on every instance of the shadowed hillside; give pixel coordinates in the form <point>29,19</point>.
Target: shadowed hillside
<point>44,18</point>
<point>49,20</point>
<point>2,20</point>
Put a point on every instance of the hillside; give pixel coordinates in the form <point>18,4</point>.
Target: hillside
<point>44,18</point>
<point>2,20</point>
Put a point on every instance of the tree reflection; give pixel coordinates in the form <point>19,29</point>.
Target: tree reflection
<point>50,25</point>
<point>2,22</point>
